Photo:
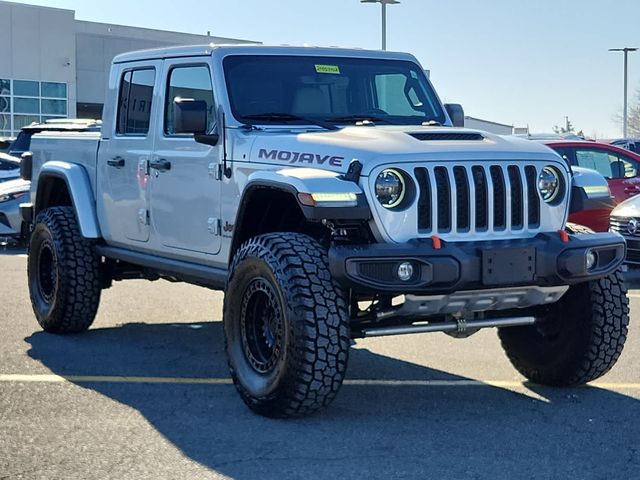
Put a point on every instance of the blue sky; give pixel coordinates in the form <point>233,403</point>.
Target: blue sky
<point>515,62</point>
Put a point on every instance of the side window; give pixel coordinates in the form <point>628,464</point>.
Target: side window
<point>189,82</point>
<point>598,160</point>
<point>134,102</point>
<point>628,166</point>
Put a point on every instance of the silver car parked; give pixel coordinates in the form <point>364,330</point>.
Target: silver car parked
<point>12,193</point>
<point>9,167</point>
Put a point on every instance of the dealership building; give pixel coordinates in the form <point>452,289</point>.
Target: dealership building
<point>55,66</point>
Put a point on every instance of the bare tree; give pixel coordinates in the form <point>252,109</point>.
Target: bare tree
<point>633,116</point>
<point>568,127</point>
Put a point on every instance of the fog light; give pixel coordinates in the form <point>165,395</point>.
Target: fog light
<point>405,271</point>
<point>590,259</point>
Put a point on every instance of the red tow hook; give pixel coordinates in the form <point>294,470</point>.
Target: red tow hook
<point>437,242</point>
<point>564,236</point>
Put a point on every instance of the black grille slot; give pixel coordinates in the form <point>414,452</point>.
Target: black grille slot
<point>444,136</point>
<point>516,196</point>
<point>462,198</point>
<point>532,196</point>
<point>480,184</point>
<point>424,200</point>
<point>444,198</point>
<point>4,220</point>
<point>499,200</point>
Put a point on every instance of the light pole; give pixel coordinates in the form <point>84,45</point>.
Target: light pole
<point>626,51</point>
<point>384,4</point>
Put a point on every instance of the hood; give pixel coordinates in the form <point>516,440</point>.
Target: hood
<point>376,145</point>
<point>629,208</point>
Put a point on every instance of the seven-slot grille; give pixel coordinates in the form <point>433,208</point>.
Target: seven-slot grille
<point>477,198</point>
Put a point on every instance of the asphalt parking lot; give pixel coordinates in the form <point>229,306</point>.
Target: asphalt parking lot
<point>145,394</point>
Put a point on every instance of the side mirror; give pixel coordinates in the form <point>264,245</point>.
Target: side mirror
<point>4,144</point>
<point>456,114</point>
<point>189,116</point>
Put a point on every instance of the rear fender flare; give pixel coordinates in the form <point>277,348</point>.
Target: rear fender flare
<point>79,188</point>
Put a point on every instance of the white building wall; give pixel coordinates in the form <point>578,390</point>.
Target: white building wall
<point>39,44</point>
<point>49,45</point>
<point>488,126</point>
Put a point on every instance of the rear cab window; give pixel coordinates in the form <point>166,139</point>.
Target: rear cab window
<point>134,101</point>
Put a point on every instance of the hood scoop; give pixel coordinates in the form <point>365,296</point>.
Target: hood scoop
<point>446,136</point>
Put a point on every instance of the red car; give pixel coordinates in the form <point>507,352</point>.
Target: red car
<point>620,167</point>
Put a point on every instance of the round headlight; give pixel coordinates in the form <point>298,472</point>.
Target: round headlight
<point>390,188</point>
<point>549,184</point>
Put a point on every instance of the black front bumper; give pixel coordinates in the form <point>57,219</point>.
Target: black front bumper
<point>544,260</point>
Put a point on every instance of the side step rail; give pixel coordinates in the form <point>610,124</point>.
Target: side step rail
<point>457,327</point>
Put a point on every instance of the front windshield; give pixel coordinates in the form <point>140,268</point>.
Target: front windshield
<point>268,89</point>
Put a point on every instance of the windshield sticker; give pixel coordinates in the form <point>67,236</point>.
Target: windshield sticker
<point>328,69</point>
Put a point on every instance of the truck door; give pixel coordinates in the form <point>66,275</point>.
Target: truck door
<point>185,191</point>
<point>124,155</point>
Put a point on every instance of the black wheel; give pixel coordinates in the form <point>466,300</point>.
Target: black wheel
<point>579,338</point>
<point>286,326</point>
<point>64,273</point>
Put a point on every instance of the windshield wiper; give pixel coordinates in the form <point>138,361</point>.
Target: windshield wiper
<point>286,117</point>
<point>360,118</point>
<point>431,123</point>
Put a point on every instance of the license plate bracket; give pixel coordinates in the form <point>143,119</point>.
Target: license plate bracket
<point>507,266</point>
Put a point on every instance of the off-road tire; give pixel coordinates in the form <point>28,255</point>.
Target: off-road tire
<point>64,273</point>
<point>579,339</point>
<point>310,334</point>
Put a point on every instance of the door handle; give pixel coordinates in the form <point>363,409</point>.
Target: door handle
<point>117,162</point>
<point>632,190</point>
<point>161,165</point>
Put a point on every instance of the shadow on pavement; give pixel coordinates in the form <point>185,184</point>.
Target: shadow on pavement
<point>369,431</point>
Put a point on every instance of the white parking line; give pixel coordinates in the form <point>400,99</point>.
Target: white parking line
<point>51,378</point>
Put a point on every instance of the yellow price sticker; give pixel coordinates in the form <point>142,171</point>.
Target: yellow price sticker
<point>334,69</point>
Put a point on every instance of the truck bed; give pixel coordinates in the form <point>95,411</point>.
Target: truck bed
<point>75,147</point>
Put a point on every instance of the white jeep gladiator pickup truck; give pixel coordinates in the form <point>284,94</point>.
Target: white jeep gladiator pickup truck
<point>332,196</point>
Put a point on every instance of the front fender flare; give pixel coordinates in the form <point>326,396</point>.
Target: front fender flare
<point>79,187</point>
<point>311,180</point>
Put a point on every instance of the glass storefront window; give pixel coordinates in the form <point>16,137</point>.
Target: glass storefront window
<point>53,90</point>
<point>20,121</point>
<point>54,107</point>
<point>26,88</point>
<point>26,105</point>
<point>5,87</point>
<point>5,122</point>
<point>23,102</point>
